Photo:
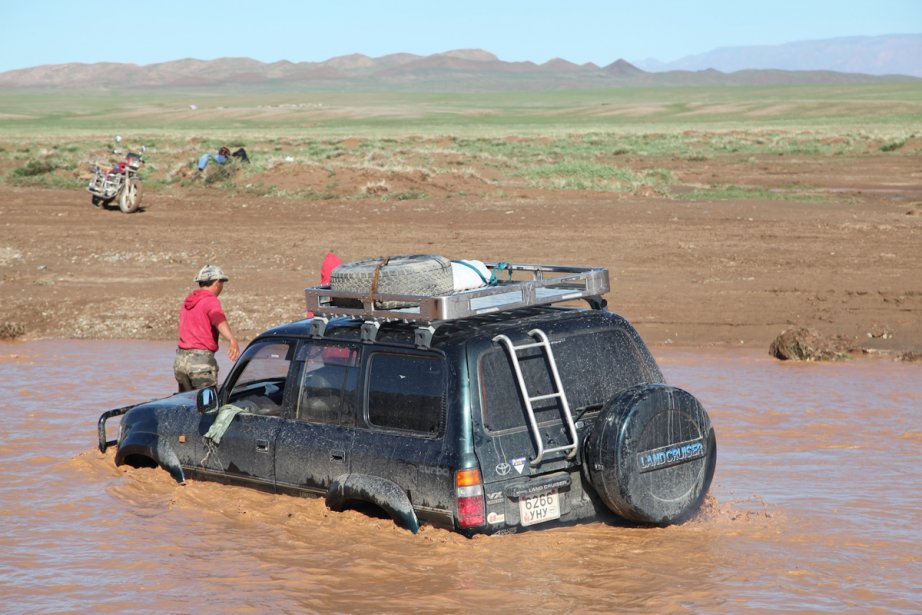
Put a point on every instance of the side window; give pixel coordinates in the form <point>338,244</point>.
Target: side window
<point>328,383</point>
<point>406,392</point>
<point>260,385</point>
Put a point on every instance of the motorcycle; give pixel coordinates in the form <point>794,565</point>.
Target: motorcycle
<point>121,182</point>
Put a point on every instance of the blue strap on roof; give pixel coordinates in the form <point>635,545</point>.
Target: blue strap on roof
<point>492,281</point>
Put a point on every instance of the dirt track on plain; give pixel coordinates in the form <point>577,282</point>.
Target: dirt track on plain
<point>716,273</point>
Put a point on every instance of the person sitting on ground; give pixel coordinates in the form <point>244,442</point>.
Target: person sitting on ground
<point>224,155</point>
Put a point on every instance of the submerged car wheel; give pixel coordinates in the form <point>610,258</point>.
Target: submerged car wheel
<point>130,200</point>
<point>651,454</point>
<point>420,274</point>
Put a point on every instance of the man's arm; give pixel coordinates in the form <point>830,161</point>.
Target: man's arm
<point>233,351</point>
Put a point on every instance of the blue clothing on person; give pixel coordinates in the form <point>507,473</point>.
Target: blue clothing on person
<point>219,158</point>
<point>224,155</point>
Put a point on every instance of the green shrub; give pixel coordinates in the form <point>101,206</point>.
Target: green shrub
<point>892,146</point>
<point>409,195</point>
<point>221,174</point>
<point>34,168</point>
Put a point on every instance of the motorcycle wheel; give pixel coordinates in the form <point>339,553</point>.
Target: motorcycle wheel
<point>130,199</point>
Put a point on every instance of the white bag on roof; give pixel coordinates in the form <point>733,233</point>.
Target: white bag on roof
<point>469,274</point>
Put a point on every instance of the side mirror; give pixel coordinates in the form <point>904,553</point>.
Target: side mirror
<point>206,400</point>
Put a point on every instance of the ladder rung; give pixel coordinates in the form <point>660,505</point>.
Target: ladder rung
<point>527,346</point>
<point>548,396</point>
<point>565,447</point>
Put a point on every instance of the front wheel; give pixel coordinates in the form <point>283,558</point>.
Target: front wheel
<point>130,199</point>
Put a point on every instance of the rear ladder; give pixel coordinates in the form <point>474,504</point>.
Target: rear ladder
<point>542,343</point>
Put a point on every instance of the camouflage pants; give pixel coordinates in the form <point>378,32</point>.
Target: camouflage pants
<point>195,369</point>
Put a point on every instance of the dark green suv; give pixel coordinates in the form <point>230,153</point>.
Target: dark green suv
<point>483,411</point>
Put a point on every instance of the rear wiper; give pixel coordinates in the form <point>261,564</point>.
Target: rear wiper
<point>585,410</point>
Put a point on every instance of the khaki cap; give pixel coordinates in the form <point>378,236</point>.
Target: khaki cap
<point>209,273</point>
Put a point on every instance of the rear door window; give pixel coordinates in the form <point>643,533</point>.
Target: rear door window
<point>406,393</point>
<point>328,383</point>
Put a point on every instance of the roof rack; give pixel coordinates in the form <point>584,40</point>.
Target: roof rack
<point>542,285</point>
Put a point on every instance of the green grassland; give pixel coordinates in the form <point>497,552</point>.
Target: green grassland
<point>605,140</point>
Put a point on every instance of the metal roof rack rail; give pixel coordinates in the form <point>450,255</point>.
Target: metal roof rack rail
<point>525,286</point>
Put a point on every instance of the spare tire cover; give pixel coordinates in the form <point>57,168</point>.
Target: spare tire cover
<point>651,454</point>
<point>417,274</point>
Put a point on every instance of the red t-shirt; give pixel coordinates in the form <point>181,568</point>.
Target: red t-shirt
<point>199,318</point>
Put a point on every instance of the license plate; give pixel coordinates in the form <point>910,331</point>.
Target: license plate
<point>539,508</point>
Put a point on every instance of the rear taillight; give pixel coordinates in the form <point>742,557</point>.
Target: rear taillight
<point>470,498</point>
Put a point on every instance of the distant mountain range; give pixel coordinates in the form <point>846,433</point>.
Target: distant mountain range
<point>893,54</point>
<point>478,70</point>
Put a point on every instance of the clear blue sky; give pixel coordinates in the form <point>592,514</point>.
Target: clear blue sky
<point>35,32</point>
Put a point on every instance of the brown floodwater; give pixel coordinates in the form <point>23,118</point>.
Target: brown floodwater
<point>814,507</point>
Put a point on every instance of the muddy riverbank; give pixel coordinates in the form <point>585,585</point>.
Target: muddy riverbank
<point>722,273</point>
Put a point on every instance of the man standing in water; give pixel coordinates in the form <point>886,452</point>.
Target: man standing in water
<point>201,320</point>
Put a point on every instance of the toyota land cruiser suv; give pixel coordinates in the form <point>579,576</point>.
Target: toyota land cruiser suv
<point>487,411</point>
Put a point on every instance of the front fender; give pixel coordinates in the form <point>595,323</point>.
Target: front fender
<point>375,490</point>
<point>150,445</point>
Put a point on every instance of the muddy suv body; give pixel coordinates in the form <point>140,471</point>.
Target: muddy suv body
<point>486,423</point>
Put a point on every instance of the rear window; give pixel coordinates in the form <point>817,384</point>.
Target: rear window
<point>593,367</point>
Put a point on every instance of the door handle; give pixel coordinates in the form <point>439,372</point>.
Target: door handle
<point>338,455</point>
<point>262,446</point>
